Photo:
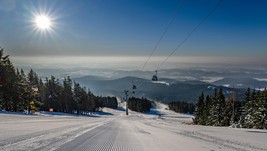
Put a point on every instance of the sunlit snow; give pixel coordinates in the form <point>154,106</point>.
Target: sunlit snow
<point>161,82</point>
<point>116,131</point>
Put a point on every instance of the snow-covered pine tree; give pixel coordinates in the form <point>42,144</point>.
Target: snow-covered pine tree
<point>67,95</point>
<point>228,112</point>
<point>217,108</point>
<point>221,107</point>
<point>32,78</point>
<point>199,111</point>
<point>241,121</point>
<point>91,101</point>
<point>250,110</point>
<point>207,110</point>
<point>213,119</point>
<point>259,117</point>
<point>264,118</point>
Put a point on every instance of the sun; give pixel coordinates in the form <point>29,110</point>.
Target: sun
<point>43,22</point>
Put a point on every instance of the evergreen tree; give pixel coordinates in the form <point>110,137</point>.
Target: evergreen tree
<point>77,96</point>
<point>218,106</point>
<point>264,114</point>
<point>67,95</point>
<point>221,107</point>
<point>33,78</point>
<point>245,104</point>
<point>207,110</point>
<point>249,110</point>
<point>3,74</point>
<point>139,105</point>
<point>52,93</point>
<point>182,107</point>
<point>110,102</point>
<point>41,94</point>
<point>213,112</point>
<point>91,101</point>
<point>199,111</point>
<point>231,113</point>
<point>259,117</point>
<point>228,113</point>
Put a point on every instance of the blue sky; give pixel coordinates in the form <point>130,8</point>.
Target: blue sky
<point>133,27</point>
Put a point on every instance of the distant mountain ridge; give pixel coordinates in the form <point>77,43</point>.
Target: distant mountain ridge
<point>241,82</point>
<point>165,90</point>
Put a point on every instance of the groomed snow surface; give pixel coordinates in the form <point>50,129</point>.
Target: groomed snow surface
<point>117,132</point>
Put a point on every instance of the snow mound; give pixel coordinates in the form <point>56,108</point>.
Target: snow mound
<point>161,82</point>
<point>159,105</point>
<point>211,79</point>
<point>62,114</point>
<point>260,79</point>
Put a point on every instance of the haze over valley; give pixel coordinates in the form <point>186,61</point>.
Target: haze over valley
<point>133,75</point>
<point>112,75</point>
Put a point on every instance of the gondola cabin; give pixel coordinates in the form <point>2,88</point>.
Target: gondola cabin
<point>155,76</point>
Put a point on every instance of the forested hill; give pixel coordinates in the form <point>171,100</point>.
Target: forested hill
<point>20,91</point>
<point>165,90</point>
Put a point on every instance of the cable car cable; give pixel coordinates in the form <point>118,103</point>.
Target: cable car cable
<point>192,31</point>
<point>164,32</point>
<point>188,36</point>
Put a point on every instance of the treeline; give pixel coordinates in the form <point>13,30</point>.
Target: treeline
<point>110,102</point>
<point>182,107</point>
<point>216,110</point>
<point>139,105</point>
<point>20,91</point>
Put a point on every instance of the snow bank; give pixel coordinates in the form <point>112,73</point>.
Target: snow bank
<point>161,82</point>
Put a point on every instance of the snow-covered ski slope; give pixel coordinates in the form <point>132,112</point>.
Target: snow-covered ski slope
<point>118,132</point>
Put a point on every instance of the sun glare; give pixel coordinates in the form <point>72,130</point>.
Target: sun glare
<point>43,22</point>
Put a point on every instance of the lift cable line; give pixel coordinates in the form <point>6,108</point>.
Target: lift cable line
<point>190,33</point>
<point>179,45</point>
<point>161,37</point>
<point>164,32</point>
<point>188,36</point>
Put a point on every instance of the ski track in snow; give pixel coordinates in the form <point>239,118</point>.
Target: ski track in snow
<point>221,142</point>
<point>118,132</point>
<point>235,145</point>
<point>49,140</point>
